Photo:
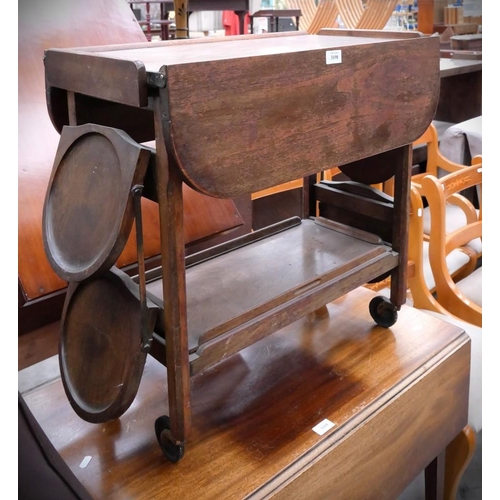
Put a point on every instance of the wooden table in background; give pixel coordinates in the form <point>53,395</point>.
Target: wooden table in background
<point>239,7</point>
<point>461,94</point>
<point>274,16</point>
<point>396,398</point>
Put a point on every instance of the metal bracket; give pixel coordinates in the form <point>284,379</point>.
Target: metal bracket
<point>146,338</point>
<point>156,80</point>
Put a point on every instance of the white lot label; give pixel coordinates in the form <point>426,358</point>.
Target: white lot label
<point>85,462</point>
<point>323,426</point>
<point>333,56</point>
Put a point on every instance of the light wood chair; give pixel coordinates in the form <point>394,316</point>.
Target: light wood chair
<point>457,301</point>
<point>308,10</point>
<point>374,14</point>
<point>421,283</point>
<point>459,210</point>
<point>462,298</point>
<point>325,17</point>
<point>315,17</point>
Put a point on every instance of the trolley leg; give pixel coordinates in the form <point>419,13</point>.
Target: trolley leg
<point>171,431</point>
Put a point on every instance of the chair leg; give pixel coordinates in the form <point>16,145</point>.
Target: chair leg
<point>458,456</point>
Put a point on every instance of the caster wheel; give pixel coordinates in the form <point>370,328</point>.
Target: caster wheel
<point>171,451</point>
<point>383,311</point>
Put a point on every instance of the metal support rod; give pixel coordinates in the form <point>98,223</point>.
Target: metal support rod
<point>146,339</point>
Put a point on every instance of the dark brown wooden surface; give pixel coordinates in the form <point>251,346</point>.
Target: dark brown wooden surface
<point>467,42</point>
<point>238,282</point>
<point>62,24</point>
<point>100,354</point>
<point>89,206</point>
<point>396,397</point>
<point>461,93</point>
<point>37,345</point>
<point>65,73</point>
<point>338,119</point>
<point>43,25</point>
<point>304,128</point>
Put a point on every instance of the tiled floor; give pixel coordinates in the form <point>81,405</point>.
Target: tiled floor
<point>47,371</point>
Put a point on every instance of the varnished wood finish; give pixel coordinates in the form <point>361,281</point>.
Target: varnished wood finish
<point>100,355</point>
<point>40,28</point>
<point>88,210</point>
<point>374,169</point>
<point>460,90</point>
<point>169,187</point>
<point>371,14</point>
<point>370,33</point>
<point>290,125</point>
<point>434,478</point>
<point>37,345</point>
<point>308,9</point>
<point>397,397</point>
<point>426,16</point>
<point>262,295</point>
<point>268,210</point>
<point>72,23</point>
<point>327,109</point>
<point>64,74</point>
<point>402,181</point>
<point>441,243</point>
<point>181,8</point>
<point>318,112</point>
<point>325,16</point>
<point>458,456</point>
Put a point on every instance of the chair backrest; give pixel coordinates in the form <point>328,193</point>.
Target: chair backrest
<point>308,10</point>
<point>372,14</point>
<point>325,17</point>
<point>439,192</point>
<point>421,282</point>
<point>437,164</point>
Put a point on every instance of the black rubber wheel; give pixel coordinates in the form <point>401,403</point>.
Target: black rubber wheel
<point>383,311</point>
<point>171,451</point>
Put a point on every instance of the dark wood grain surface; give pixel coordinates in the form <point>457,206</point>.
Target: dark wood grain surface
<point>225,292</point>
<point>62,24</point>
<point>88,211</point>
<point>42,25</point>
<point>100,355</point>
<point>329,115</point>
<point>294,114</point>
<point>396,398</point>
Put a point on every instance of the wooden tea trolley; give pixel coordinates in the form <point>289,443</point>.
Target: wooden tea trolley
<point>228,117</point>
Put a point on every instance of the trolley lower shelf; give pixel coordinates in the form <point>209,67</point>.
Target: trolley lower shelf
<point>259,283</point>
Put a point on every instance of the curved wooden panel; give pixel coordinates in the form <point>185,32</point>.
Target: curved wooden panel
<point>43,25</point>
<point>326,114</point>
<point>100,355</point>
<point>325,17</point>
<point>89,207</point>
<point>308,10</point>
<point>350,12</point>
<point>376,14</point>
<point>63,24</point>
